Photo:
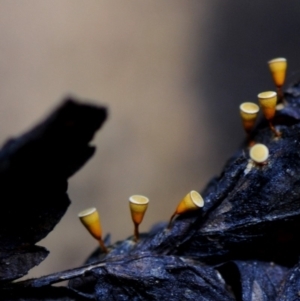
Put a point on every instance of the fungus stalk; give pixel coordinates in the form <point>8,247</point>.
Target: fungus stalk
<point>91,220</point>
<point>278,68</point>
<point>138,205</point>
<point>249,112</point>
<point>267,101</point>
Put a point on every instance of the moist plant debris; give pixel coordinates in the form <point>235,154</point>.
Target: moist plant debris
<point>241,245</point>
<point>34,169</point>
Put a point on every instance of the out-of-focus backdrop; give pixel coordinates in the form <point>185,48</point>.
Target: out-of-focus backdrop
<point>171,72</point>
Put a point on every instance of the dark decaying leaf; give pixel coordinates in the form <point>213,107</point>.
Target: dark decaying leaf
<point>151,277</point>
<point>260,215</point>
<point>48,293</point>
<point>33,174</point>
<point>15,263</point>
<point>259,281</point>
<point>290,290</point>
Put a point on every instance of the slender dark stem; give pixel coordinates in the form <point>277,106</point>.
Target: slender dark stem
<point>136,232</point>
<point>279,94</point>
<point>276,133</point>
<point>102,245</point>
<point>171,219</point>
<point>250,141</point>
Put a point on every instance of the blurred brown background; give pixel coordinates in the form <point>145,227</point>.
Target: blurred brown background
<point>171,72</point>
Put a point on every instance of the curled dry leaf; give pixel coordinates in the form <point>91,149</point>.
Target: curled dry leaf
<point>34,169</point>
<point>256,280</point>
<point>291,286</point>
<point>152,277</point>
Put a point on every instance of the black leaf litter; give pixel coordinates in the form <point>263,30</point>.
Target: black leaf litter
<point>33,174</point>
<point>242,245</point>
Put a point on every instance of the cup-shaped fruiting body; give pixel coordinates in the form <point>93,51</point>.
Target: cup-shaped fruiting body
<point>278,68</point>
<point>138,205</point>
<point>91,220</point>
<point>267,101</point>
<point>249,112</point>
<point>192,201</point>
<point>259,153</point>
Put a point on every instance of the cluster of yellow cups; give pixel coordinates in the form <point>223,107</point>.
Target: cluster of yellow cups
<point>267,100</point>
<point>138,205</point>
<point>259,153</point>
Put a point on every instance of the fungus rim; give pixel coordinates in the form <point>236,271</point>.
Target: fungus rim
<point>253,110</point>
<point>87,212</point>
<point>259,157</point>
<point>138,200</point>
<point>196,198</point>
<point>276,60</point>
<point>267,95</point>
